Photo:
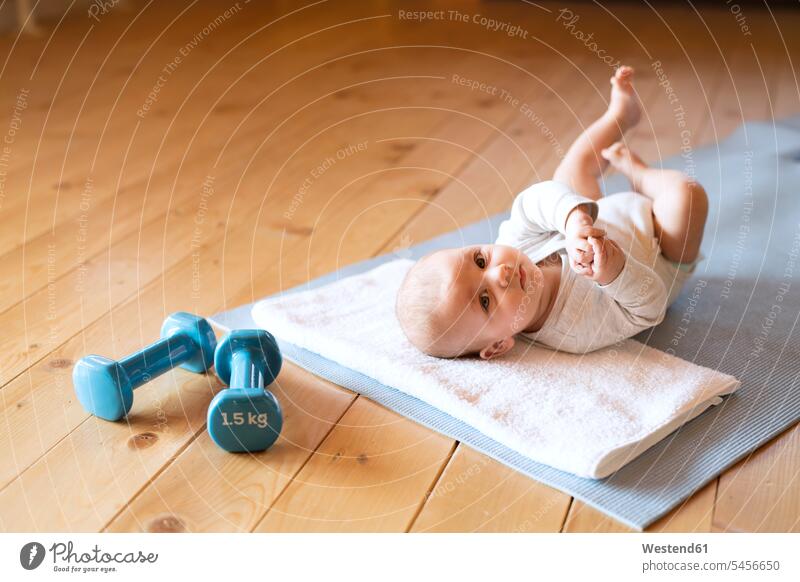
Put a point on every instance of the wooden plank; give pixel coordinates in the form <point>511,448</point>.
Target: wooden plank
<point>787,101</point>
<point>761,493</point>
<point>352,482</point>
<point>130,170</point>
<point>476,493</point>
<point>119,66</point>
<point>70,494</point>
<point>39,256</point>
<point>693,515</point>
<point>217,502</point>
<point>57,250</point>
<point>786,93</point>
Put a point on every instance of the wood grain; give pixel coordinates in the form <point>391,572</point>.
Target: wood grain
<point>476,493</point>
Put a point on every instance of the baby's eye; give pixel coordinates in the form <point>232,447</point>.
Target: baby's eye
<point>484,299</point>
<point>480,260</point>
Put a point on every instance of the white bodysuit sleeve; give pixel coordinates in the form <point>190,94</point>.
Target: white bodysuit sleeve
<point>639,293</point>
<point>539,211</point>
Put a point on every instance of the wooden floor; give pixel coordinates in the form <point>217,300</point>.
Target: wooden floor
<point>200,155</point>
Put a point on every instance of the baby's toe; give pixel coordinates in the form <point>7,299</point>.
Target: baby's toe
<point>614,151</point>
<point>624,72</point>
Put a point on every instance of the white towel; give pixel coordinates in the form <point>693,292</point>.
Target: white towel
<point>585,414</point>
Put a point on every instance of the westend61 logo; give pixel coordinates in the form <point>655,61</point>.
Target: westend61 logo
<point>66,559</point>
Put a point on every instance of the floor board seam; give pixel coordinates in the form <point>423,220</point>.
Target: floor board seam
<point>432,486</point>
<point>305,462</point>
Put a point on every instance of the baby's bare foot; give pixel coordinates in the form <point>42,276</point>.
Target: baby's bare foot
<point>624,106</point>
<point>626,163</point>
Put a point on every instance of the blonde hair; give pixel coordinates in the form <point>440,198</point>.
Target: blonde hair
<point>418,310</point>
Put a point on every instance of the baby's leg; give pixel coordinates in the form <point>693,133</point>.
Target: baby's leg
<point>583,165</point>
<point>680,205</point>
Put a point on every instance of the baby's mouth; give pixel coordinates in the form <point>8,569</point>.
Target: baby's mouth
<point>522,277</point>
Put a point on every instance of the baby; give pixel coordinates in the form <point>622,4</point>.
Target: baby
<point>571,270</point>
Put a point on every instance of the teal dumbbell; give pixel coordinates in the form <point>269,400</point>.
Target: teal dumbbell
<point>246,417</point>
<point>105,387</point>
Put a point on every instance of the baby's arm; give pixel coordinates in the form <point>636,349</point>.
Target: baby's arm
<point>539,212</point>
<point>547,205</point>
<point>547,210</point>
<point>640,294</point>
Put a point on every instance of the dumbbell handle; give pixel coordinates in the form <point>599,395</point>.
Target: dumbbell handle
<point>157,358</point>
<point>247,369</point>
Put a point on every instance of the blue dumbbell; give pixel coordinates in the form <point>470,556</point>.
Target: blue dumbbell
<point>246,417</point>
<point>105,387</point>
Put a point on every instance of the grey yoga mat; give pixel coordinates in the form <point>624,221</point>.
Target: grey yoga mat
<point>738,314</point>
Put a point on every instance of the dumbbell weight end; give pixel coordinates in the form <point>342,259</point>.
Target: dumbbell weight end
<point>246,417</point>
<point>245,420</point>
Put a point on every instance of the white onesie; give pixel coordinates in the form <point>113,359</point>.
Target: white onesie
<point>587,316</point>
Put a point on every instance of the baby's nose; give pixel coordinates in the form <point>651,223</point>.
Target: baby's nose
<point>504,275</point>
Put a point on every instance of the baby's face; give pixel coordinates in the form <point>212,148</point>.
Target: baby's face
<point>490,292</point>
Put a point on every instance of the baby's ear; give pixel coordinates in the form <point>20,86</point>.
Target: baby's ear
<point>498,348</point>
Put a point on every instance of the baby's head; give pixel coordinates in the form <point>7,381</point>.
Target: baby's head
<point>469,300</point>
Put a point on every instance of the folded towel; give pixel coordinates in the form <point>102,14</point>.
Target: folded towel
<point>586,414</point>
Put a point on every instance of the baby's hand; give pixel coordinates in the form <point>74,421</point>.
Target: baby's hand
<point>580,251</point>
<point>609,260</point>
